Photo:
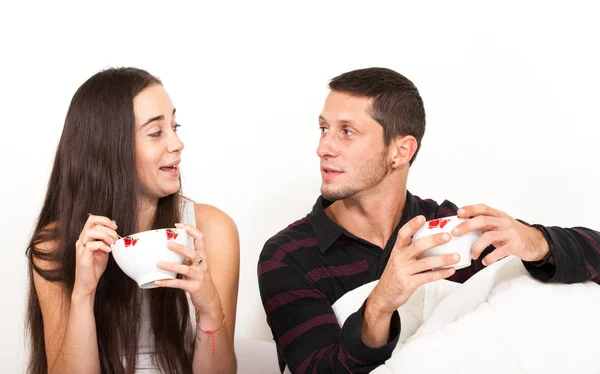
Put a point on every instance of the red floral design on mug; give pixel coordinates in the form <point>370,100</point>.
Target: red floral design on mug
<point>130,241</point>
<point>172,234</point>
<point>438,223</point>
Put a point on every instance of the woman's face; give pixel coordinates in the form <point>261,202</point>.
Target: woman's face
<point>157,145</point>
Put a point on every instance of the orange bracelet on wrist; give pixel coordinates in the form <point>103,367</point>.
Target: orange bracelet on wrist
<point>212,332</point>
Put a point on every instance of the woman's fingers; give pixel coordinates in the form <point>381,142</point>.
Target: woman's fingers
<point>97,234</point>
<point>175,283</point>
<point>99,220</point>
<point>97,246</point>
<point>191,254</point>
<point>185,270</point>
<point>198,240</point>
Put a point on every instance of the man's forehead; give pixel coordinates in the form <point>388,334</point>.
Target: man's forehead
<point>345,99</point>
<point>347,109</point>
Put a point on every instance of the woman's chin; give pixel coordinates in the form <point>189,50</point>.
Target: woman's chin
<point>164,192</point>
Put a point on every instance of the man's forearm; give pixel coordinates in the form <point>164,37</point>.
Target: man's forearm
<point>575,255</point>
<point>375,331</point>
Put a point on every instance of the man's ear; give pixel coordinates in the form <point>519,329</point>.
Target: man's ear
<point>403,148</point>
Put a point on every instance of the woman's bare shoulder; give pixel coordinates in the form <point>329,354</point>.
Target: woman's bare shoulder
<point>209,217</point>
<point>216,226</point>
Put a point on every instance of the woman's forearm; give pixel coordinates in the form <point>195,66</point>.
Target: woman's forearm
<point>214,356</point>
<point>79,350</point>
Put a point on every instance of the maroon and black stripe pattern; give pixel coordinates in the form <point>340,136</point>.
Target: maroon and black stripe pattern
<point>305,268</point>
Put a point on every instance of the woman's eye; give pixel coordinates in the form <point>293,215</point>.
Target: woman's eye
<point>156,134</point>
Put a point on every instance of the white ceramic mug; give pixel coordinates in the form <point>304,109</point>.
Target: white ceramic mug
<point>458,244</point>
<point>138,254</point>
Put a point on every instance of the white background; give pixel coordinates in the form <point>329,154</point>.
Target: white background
<point>511,91</point>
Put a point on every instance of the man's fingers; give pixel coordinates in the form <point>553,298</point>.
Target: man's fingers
<point>497,254</point>
<point>481,223</point>
<point>407,231</point>
<point>419,246</point>
<point>485,240</point>
<point>431,276</point>
<point>479,210</point>
<point>433,262</point>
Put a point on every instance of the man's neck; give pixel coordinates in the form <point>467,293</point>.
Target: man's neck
<point>371,215</point>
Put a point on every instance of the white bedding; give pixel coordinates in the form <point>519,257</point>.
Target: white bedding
<point>499,321</point>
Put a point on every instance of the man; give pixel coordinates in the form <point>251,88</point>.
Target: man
<point>360,230</point>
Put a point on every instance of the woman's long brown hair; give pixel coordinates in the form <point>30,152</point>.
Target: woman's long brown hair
<point>94,172</point>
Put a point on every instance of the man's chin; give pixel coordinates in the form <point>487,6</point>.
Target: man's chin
<point>334,195</point>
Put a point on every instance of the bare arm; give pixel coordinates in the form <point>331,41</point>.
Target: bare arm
<point>69,322</point>
<point>69,329</point>
<point>212,284</point>
<point>222,248</point>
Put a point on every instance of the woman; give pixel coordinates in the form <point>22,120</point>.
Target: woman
<point>116,172</point>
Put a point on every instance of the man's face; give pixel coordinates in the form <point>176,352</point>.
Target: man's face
<point>353,154</point>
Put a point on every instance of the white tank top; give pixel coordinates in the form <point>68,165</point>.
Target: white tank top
<point>146,363</point>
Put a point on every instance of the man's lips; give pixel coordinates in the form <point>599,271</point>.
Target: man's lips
<point>328,173</point>
<point>330,170</point>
